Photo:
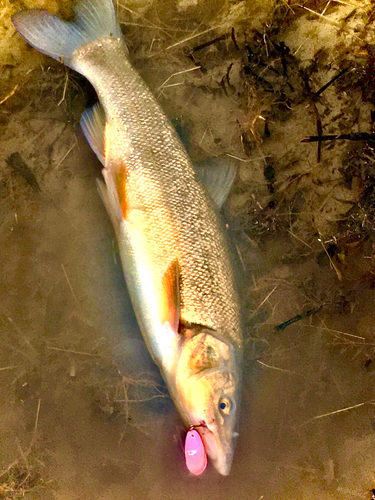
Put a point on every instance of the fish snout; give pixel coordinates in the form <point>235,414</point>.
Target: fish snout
<point>219,448</point>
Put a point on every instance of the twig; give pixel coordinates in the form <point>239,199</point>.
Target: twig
<point>336,77</point>
<point>348,408</point>
<point>191,37</point>
<point>211,42</point>
<point>326,7</point>
<point>12,92</point>
<point>308,313</point>
<point>21,335</point>
<point>276,368</point>
<point>233,36</point>
<point>359,136</point>
<point>69,284</point>
<point>326,329</point>
<point>329,21</point>
<point>4,368</point>
<point>142,400</point>
<point>71,351</point>
<point>66,154</point>
<point>247,161</point>
<point>149,25</point>
<point>175,74</point>
<point>338,272</point>
<point>177,84</point>
<point>299,239</point>
<point>65,87</point>
<point>33,437</point>
<point>264,300</point>
<point>319,126</point>
<point>240,257</point>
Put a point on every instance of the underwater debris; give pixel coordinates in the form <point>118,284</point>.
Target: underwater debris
<point>358,171</point>
<point>318,119</point>
<point>233,36</point>
<point>359,136</point>
<point>18,166</point>
<point>332,80</point>
<point>211,42</point>
<point>308,313</point>
<point>225,83</point>
<point>9,95</point>
<point>21,480</point>
<point>368,362</point>
<point>24,474</point>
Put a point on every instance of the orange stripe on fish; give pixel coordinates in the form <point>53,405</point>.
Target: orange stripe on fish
<point>120,181</point>
<point>170,297</point>
<point>116,167</point>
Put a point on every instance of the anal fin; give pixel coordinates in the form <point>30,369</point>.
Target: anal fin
<point>113,194</point>
<point>109,203</point>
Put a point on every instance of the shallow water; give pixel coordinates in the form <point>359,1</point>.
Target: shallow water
<point>66,323</point>
<point>84,414</point>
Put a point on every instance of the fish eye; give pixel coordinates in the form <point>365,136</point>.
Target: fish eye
<point>225,406</point>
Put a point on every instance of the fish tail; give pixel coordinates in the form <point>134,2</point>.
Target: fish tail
<point>95,19</point>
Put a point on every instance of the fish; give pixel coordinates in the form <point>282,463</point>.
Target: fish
<point>165,214</point>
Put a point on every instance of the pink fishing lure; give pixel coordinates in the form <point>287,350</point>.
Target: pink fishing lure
<point>195,454</point>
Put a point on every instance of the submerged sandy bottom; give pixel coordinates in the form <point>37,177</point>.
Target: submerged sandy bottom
<point>83,411</point>
<point>65,324</point>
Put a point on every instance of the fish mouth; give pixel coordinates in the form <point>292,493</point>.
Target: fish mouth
<point>223,466</point>
<point>219,451</point>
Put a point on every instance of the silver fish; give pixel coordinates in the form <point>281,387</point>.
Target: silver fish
<point>173,251</point>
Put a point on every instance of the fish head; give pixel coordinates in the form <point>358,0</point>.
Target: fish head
<point>208,394</point>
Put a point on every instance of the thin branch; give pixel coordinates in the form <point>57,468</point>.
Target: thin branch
<point>191,37</point>
<point>276,368</point>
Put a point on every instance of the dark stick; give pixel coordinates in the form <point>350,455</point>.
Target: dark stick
<point>360,136</point>
<point>207,44</point>
<point>297,318</point>
<point>325,87</point>
<point>234,40</point>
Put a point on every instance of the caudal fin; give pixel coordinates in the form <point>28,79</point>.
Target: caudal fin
<point>51,35</point>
